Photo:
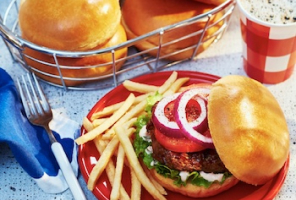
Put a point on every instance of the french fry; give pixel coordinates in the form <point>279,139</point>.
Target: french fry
<point>106,111</point>
<point>176,86</point>
<point>98,122</point>
<point>111,109</point>
<point>130,123</point>
<point>87,124</point>
<point>104,159</point>
<point>136,186</point>
<point>130,114</point>
<point>110,168</point>
<point>164,87</point>
<point>135,164</point>
<point>115,192</point>
<point>108,123</point>
<point>108,135</point>
<point>139,87</point>
<point>102,163</point>
<point>159,187</point>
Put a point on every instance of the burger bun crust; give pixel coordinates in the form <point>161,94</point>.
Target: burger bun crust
<point>193,190</point>
<point>69,25</point>
<point>249,131</point>
<point>102,63</point>
<point>150,18</point>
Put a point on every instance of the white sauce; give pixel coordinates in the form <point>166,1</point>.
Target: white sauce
<point>153,163</point>
<point>211,177</point>
<point>149,150</point>
<point>184,175</point>
<point>143,134</point>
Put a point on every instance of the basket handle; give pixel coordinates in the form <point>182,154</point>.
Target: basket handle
<point>8,36</point>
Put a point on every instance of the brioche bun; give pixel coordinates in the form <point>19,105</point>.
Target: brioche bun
<point>83,67</point>
<point>248,129</point>
<point>193,190</point>
<point>69,25</point>
<point>154,14</point>
<point>72,26</point>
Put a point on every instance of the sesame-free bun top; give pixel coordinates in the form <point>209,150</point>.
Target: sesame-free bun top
<point>248,128</point>
<point>142,17</point>
<point>69,25</point>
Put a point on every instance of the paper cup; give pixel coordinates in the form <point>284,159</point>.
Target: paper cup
<point>269,50</point>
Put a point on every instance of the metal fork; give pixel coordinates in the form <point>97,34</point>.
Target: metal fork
<point>38,112</point>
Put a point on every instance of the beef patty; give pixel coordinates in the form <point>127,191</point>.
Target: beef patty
<point>206,160</point>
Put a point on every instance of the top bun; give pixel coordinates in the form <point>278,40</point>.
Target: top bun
<point>69,25</point>
<point>154,14</point>
<point>248,128</point>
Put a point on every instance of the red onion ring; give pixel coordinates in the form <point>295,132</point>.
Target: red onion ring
<point>181,119</point>
<point>204,93</point>
<point>169,128</point>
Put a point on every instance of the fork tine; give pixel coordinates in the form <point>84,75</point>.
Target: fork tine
<point>36,98</point>
<point>24,99</point>
<point>31,109</point>
<point>34,109</point>
<point>44,101</point>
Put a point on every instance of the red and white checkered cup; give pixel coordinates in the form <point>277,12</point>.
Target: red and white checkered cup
<point>269,50</point>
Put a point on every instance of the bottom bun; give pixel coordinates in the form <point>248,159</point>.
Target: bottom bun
<point>169,52</point>
<point>193,190</point>
<point>177,50</point>
<point>76,71</point>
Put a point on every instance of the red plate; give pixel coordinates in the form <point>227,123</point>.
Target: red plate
<point>88,153</point>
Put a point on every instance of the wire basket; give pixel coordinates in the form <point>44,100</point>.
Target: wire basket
<point>136,63</point>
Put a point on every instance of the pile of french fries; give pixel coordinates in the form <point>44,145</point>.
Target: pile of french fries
<point>111,128</point>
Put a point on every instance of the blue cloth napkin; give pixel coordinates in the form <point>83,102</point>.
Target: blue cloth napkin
<point>30,144</point>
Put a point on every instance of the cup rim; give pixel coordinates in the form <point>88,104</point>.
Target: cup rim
<point>259,21</point>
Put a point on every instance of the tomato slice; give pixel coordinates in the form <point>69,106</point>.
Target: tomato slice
<point>177,144</point>
<point>168,111</point>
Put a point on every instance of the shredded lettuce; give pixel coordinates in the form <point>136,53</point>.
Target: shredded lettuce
<point>151,100</point>
<point>140,146</point>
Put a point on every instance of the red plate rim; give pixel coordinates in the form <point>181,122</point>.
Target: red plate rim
<point>264,192</point>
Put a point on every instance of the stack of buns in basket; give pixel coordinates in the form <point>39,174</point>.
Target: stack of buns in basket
<point>85,26</point>
<point>67,25</point>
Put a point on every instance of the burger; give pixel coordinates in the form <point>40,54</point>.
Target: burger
<point>208,137</point>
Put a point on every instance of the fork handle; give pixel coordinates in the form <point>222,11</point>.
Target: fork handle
<point>67,170</point>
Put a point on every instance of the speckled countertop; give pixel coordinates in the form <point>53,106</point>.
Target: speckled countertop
<point>223,58</point>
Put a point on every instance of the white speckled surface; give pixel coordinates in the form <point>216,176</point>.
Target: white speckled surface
<point>221,59</point>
